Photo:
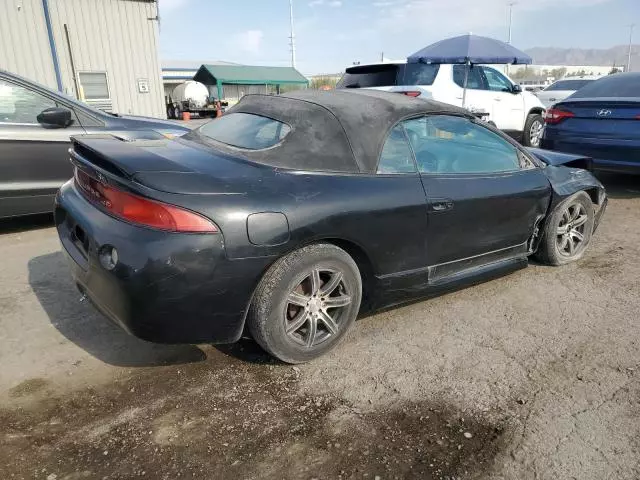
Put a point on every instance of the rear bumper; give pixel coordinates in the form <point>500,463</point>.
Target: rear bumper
<point>607,154</point>
<point>165,287</point>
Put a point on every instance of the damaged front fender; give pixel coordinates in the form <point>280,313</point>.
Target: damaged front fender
<point>549,157</point>
<point>566,181</point>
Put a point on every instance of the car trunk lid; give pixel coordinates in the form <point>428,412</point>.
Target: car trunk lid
<point>172,166</point>
<point>602,118</point>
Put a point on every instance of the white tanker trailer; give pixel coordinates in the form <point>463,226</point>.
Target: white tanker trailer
<point>192,97</point>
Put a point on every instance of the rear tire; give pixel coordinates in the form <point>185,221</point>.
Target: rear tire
<point>532,134</point>
<point>305,303</point>
<point>568,231</point>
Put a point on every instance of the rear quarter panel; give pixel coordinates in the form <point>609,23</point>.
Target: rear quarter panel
<point>384,215</point>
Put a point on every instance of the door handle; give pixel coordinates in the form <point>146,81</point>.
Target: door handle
<point>442,205</point>
<point>498,99</point>
<point>552,99</point>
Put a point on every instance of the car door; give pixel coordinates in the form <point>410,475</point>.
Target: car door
<point>507,105</point>
<point>478,97</point>
<point>484,195</point>
<point>34,160</point>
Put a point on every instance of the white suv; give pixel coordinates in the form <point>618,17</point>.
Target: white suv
<point>513,111</point>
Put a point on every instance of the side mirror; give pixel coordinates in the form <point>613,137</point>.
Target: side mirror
<point>516,89</point>
<point>55,117</point>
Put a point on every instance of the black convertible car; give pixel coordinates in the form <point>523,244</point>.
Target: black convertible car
<point>291,214</point>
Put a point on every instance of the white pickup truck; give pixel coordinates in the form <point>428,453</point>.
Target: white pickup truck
<point>516,112</point>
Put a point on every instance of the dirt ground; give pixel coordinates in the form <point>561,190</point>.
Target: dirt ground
<point>530,376</point>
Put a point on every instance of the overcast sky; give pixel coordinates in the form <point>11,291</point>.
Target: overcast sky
<point>331,34</point>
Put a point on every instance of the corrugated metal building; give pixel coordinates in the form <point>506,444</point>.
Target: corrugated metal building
<point>104,52</point>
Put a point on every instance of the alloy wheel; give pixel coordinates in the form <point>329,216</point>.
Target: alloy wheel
<point>570,233</point>
<point>314,308</point>
<point>535,133</point>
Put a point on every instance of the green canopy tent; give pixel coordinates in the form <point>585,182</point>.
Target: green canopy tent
<point>248,75</point>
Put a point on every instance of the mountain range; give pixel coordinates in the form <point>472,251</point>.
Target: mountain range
<point>586,56</point>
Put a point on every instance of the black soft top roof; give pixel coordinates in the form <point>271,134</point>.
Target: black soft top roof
<point>336,130</point>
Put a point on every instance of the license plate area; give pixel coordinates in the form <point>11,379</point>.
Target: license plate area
<point>73,237</point>
<point>80,240</point>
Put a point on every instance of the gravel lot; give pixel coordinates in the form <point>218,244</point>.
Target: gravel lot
<point>534,375</point>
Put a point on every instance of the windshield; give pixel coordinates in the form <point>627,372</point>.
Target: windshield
<point>389,75</point>
<point>245,130</point>
<point>567,85</point>
<point>617,85</point>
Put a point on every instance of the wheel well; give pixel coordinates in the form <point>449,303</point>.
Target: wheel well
<point>364,264</point>
<point>593,194</point>
<point>536,111</point>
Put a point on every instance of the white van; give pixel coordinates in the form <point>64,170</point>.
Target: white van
<point>513,111</point>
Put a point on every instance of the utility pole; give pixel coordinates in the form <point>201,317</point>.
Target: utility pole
<point>630,42</point>
<point>293,36</point>
<point>511,4</point>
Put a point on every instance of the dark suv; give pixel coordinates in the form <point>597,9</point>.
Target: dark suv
<point>36,124</point>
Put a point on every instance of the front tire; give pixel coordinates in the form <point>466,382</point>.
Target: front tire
<point>568,231</point>
<point>305,303</point>
<point>532,134</point>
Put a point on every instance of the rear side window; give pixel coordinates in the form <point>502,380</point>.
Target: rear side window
<point>369,76</point>
<point>617,85</point>
<point>474,78</point>
<point>567,85</point>
<point>417,74</point>
<point>396,156</point>
<point>246,130</point>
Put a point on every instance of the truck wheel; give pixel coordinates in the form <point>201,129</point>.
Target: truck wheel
<point>170,112</point>
<point>533,130</point>
<point>177,114</point>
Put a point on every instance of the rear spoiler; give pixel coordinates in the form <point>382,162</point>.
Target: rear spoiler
<point>556,159</point>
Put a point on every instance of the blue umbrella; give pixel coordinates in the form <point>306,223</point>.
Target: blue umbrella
<point>470,49</point>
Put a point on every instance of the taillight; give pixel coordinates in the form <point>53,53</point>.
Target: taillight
<point>411,93</point>
<point>553,116</point>
<point>139,210</point>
